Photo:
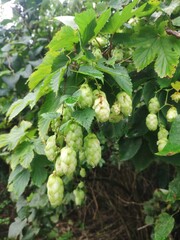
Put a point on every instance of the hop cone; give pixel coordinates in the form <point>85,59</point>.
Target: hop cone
<point>51,148</point>
<point>66,162</point>
<point>79,196</point>
<point>55,190</point>
<point>171,114</point>
<point>115,113</point>
<point>92,150</point>
<point>125,102</point>
<point>86,96</point>
<point>152,122</point>
<point>101,106</point>
<point>154,105</point>
<point>74,136</point>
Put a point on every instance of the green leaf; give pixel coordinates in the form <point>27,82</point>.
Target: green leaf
<point>86,22</point>
<point>43,69</point>
<point>143,56</point>
<point>119,18</point>
<point>64,39</point>
<point>120,75</point>
<point>3,140</point>
<point>176,21</point>
<point>173,144</point>
<point>50,105</point>
<point>57,79</point>
<point>19,180</point>
<point>102,20</point>
<point>39,172</point>
<point>92,72</point>
<point>167,59</point>
<point>128,148</point>
<point>17,134</point>
<point>19,105</point>
<point>23,155</point>
<point>163,226</point>
<point>174,189</point>
<point>84,117</point>
<point>15,229</point>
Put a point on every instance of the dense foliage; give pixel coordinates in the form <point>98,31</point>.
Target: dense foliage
<point>110,77</point>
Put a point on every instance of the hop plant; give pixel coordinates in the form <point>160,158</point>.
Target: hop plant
<point>74,136</point>
<point>79,195</point>
<point>154,105</point>
<point>66,163</point>
<point>176,97</point>
<point>92,150</point>
<point>117,54</point>
<point>51,148</point>
<point>101,106</point>
<point>97,53</point>
<point>115,113</point>
<point>125,102</point>
<point>162,138</point>
<point>82,172</point>
<point>152,121</point>
<point>171,114</point>
<point>55,190</point>
<point>86,96</point>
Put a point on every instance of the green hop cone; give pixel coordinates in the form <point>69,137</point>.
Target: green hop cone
<point>74,136</point>
<point>101,106</point>
<point>86,96</point>
<point>152,121</point>
<point>115,113</point>
<point>154,105</point>
<point>161,143</point>
<point>163,133</point>
<point>125,102</point>
<point>55,190</point>
<point>51,148</point>
<point>79,196</point>
<point>92,150</point>
<point>176,97</point>
<point>97,53</point>
<point>171,114</point>
<point>66,163</point>
<point>117,54</point>
<point>82,172</point>
<point>65,112</point>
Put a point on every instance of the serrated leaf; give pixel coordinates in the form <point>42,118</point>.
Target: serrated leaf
<point>17,133</point>
<point>50,105</point>
<point>119,18</point>
<point>15,229</point>
<point>120,75</point>
<point>173,145</point>
<point>163,226</point>
<point>64,39</point>
<point>167,59</point>
<point>23,155</point>
<point>19,182</point>
<point>43,69</point>
<point>174,189</point>
<point>86,22</point>
<point>19,105</point>
<point>92,72</point>
<point>57,79</point>
<point>102,20</point>
<point>176,85</point>
<point>142,57</point>
<point>3,140</point>
<point>39,171</point>
<point>84,117</point>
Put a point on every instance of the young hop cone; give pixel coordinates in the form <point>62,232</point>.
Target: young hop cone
<point>101,106</point>
<point>125,102</point>
<point>74,136</point>
<point>86,96</point>
<point>51,148</point>
<point>79,196</point>
<point>154,105</point>
<point>55,190</point>
<point>152,121</point>
<point>171,114</point>
<point>115,113</point>
<point>92,150</point>
<point>162,138</point>
<point>66,163</point>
